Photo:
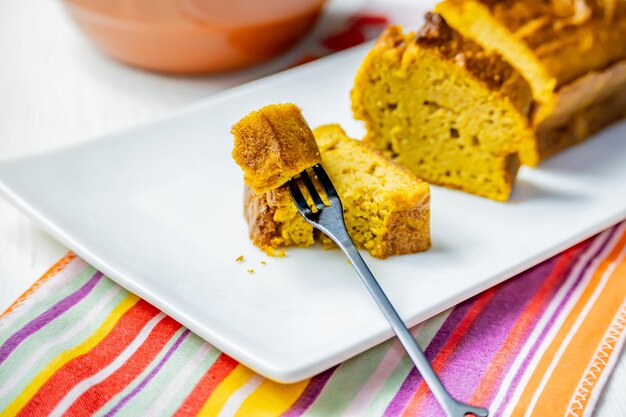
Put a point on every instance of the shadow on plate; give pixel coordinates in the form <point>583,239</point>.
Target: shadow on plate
<point>526,190</point>
<point>437,247</point>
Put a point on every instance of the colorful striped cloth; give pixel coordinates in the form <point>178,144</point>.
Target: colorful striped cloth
<point>540,344</point>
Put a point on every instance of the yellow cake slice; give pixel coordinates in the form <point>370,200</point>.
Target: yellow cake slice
<point>272,145</point>
<point>386,208</point>
<point>439,104</point>
<point>555,45</point>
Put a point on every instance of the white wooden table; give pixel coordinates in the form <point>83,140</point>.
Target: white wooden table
<point>56,90</point>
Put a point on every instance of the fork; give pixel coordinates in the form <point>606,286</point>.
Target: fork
<point>328,218</point>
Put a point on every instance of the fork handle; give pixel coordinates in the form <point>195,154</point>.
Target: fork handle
<point>452,407</point>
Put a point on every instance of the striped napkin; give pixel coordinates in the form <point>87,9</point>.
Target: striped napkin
<point>540,344</point>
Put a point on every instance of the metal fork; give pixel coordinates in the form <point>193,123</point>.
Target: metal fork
<point>329,219</point>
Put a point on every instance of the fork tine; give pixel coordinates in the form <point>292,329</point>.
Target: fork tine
<point>306,179</point>
<point>327,185</point>
<point>298,198</point>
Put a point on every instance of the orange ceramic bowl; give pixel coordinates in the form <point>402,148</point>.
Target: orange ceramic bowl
<point>194,36</point>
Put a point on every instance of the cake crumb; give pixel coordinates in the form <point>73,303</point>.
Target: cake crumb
<point>239,259</point>
<point>270,251</point>
<point>250,271</point>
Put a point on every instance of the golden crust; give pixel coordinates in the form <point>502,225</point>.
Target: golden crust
<point>272,145</point>
<point>490,68</point>
<point>259,214</point>
<point>406,231</point>
<point>569,37</point>
<point>551,43</point>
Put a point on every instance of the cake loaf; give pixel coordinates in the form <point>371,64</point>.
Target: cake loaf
<point>438,103</point>
<point>386,208</point>
<point>561,47</point>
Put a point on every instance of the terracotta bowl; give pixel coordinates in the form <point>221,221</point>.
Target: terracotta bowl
<point>194,36</point>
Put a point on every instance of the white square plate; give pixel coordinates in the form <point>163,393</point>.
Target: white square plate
<point>159,210</point>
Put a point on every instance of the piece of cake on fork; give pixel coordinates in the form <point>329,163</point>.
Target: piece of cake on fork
<point>272,145</point>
